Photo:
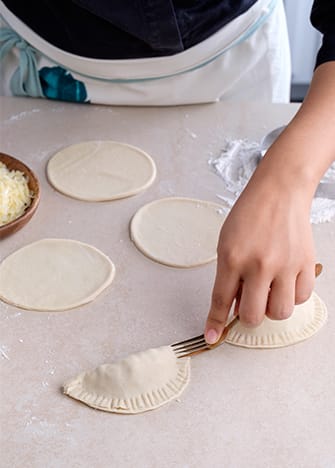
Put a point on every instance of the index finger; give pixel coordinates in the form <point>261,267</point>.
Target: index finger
<point>225,289</point>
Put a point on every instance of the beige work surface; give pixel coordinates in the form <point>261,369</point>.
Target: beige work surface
<point>243,408</point>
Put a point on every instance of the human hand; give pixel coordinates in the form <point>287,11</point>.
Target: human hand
<point>265,253</point>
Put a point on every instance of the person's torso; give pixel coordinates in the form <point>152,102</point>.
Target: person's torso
<point>105,29</point>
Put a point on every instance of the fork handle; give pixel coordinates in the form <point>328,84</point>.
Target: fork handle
<point>318,270</point>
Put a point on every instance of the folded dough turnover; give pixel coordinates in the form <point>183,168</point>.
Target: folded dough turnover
<point>138,383</point>
<point>307,319</point>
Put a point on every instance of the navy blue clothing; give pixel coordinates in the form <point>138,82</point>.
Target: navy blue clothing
<point>323,19</point>
<point>106,29</point>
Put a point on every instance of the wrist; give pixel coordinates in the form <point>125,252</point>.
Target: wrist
<point>275,181</point>
<point>291,170</point>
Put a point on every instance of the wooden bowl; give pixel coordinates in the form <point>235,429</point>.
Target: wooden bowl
<point>34,186</point>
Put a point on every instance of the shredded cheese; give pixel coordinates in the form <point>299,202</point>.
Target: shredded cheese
<point>15,195</point>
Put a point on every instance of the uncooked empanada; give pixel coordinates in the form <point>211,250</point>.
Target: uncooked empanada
<point>140,382</point>
<point>307,319</point>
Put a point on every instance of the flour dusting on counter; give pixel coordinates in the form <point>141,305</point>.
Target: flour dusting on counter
<point>4,352</point>
<point>238,161</point>
<point>22,115</point>
<point>323,210</point>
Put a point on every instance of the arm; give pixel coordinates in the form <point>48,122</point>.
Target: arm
<point>266,241</point>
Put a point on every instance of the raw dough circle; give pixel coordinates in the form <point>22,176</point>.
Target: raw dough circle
<point>140,382</point>
<point>178,232</point>
<point>101,170</point>
<point>307,319</point>
<point>54,274</point>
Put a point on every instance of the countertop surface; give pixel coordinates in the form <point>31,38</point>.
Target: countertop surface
<point>243,408</point>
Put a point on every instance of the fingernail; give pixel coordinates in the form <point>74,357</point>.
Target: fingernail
<point>211,336</point>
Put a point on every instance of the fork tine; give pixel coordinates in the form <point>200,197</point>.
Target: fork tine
<point>192,353</point>
<point>190,347</point>
<point>182,352</point>
<point>198,344</point>
<point>190,341</point>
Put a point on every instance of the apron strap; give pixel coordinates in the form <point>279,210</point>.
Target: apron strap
<point>25,80</point>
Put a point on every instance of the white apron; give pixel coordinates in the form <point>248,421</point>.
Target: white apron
<point>248,59</point>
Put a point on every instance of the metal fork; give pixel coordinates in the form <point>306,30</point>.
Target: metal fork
<point>198,344</point>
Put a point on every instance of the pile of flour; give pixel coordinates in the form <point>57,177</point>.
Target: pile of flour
<point>236,164</point>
